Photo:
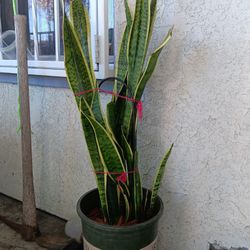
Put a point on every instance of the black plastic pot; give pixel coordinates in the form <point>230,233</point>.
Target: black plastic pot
<point>106,237</point>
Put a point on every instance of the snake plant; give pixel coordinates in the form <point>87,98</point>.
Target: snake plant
<point>111,137</point>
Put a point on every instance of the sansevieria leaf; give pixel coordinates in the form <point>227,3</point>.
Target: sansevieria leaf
<point>153,9</point>
<point>106,188</point>
<point>78,74</point>
<point>80,22</point>
<point>121,68</point>
<point>97,163</point>
<point>137,188</point>
<point>158,177</point>
<point>111,139</point>
<point>138,42</point>
<point>113,165</point>
<point>80,19</point>
<point>152,62</point>
<point>110,154</point>
<point>136,54</point>
<point>126,119</point>
<point>96,108</point>
<point>128,13</point>
<point>116,106</point>
<point>122,62</point>
<point>111,116</point>
<point>127,151</point>
<point>127,205</point>
<point>77,69</point>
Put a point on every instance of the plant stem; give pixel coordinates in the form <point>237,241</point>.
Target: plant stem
<point>14,4</point>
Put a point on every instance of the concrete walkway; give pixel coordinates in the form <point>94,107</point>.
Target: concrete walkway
<point>9,239</point>
<point>51,228</point>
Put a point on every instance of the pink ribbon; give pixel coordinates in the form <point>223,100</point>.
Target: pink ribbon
<point>122,176</point>
<point>139,106</point>
<point>139,109</point>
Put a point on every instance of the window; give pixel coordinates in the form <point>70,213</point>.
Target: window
<point>45,45</point>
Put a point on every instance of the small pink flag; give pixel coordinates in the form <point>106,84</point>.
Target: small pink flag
<point>139,109</point>
<point>122,178</point>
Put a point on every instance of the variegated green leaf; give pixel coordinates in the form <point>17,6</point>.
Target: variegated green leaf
<point>118,117</point>
<point>118,190</point>
<point>77,70</point>
<point>158,177</point>
<point>113,165</point>
<point>112,145</point>
<point>153,9</point>
<point>111,116</point>
<point>113,201</point>
<point>122,62</point>
<point>78,74</point>
<point>152,62</point>
<point>127,150</point>
<point>128,13</point>
<point>126,119</point>
<point>80,79</point>
<point>80,19</point>
<point>138,42</point>
<point>109,151</point>
<point>137,188</point>
<point>127,206</point>
<point>146,198</point>
<point>96,108</point>
<point>97,163</point>
<point>121,68</point>
<point>109,195</point>
<point>136,54</point>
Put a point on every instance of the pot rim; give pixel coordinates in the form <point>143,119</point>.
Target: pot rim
<point>136,227</point>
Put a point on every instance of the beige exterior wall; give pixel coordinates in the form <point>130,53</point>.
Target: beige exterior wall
<point>61,169</point>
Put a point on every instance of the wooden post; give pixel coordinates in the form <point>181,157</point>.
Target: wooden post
<point>30,227</point>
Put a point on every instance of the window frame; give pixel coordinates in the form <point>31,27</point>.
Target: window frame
<point>56,67</point>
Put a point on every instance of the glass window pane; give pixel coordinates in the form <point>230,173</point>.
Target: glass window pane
<point>66,2</point>
<point>111,31</point>
<point>7,31</point>
<point>25,8</point>
<point>45,29</point>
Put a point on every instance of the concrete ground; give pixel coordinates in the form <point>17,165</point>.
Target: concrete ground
<point>51,228</point>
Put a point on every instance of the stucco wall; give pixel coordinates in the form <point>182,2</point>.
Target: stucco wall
<point>61,169</point>
<point>199,98</point>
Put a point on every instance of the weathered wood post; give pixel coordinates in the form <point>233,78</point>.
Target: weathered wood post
<point>30,227</point>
